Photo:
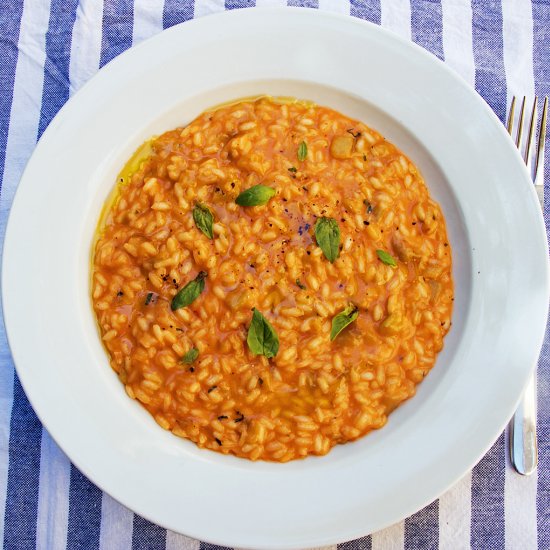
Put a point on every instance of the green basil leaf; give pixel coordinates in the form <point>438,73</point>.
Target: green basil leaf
<point>148,298</point>
<point>342,320</point>
<point>257,195</point>
<point>204,219</point>
<point>293,169</point>
<point>262,338</point>
<point>300,284</point>
<point>302,151</point>
<point>190,356</point>
<point>386,258</point>
<point>190,292</point>
<point>327,235</point>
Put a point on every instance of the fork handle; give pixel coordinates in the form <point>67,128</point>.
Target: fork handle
<point>523,431</point>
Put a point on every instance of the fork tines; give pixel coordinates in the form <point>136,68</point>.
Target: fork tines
<point>539,150</point>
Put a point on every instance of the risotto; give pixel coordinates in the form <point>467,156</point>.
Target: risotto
<point>271,280</point>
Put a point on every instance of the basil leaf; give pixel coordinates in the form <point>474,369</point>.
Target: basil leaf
<point>302,151</point>
<point>300,284</point>
<point>257,195</point>
<point>148,298</point>
<point>204,219</point>
<point>342,320</point>
<point>293,169</point>
<point>190,356</point>
<point>262,338</point>
<point>327,235</point>
<point>386,258</point>
<point>190,292</point>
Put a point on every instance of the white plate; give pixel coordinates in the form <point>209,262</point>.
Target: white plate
<point>500,271</point>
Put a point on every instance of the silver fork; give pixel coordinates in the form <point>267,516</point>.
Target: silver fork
<point>523,426</point>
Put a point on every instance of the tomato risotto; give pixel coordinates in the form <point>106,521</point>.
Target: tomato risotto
<point>271,280</point>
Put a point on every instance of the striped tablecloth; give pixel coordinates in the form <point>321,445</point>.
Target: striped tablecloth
<point>48,50</point>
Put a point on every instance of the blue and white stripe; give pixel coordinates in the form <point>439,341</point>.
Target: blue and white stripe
<point>15,148</point>
<point>49,49</point>
<point>541,71</point>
